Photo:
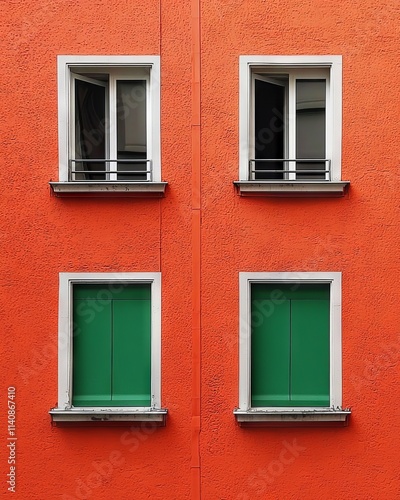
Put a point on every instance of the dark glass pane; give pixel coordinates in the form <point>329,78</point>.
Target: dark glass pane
<point>269,128</point>
<point>131,129</point>
<point>90,141</point>
<point>310,126</point>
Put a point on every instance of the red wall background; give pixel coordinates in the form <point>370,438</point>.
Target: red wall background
<point>43,235</point>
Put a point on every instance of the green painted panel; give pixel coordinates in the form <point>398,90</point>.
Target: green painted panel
<point>131,355</point>
<point>270,349</point>
<point>112,290</point>
<point>310,369</point>
<point>277,293</point>
<point>112,345</point>
<point>91,352</point>
<point>290,360</point>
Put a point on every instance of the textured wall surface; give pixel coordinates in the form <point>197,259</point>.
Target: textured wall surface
<point>358,235</point>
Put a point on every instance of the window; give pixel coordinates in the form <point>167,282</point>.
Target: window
<point>109,347</point>
<point>290,123</point>
<point>109,123</point>
<point>290,347</point>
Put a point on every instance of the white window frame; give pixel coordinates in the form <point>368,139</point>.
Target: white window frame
<point>299,65</point>
<point>65,409</point>
<point>246,280</point>
<point>140,67</point>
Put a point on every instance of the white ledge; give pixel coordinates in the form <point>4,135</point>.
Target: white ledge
<point>93,416</point>
<point>109,188</point>
<point>292,188</point>
<point>260,417</point>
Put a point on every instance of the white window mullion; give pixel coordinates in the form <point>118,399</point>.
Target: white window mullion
<point>107,129</point>
<point>329,130</point>
<point>149,135</point>
<point>252,129</point>
<point>71,131</point>
<point>112,166</point>
<point>291,140</point>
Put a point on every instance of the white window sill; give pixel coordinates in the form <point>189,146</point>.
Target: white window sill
<point>280,418</point>
<point>291,188</point>
<point>96,416</point>
<point>109,188</point>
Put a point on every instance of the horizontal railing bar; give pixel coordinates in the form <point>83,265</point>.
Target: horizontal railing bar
<point>290,181</point>
<point>109,161</point>
<point>109,180</point>
<point>297,160</point>
<point>107,172</point>
<point>296,169</point>
<point>305,171</point>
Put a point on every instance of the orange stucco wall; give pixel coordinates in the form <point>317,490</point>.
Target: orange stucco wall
<point>43,235</point>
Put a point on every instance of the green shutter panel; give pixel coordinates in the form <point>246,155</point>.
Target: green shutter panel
<point>131,383</point>
<point>310,365</point>
<point>112,345</point>
<point>91,349</point>
<point>290,345</point>
<point>270,349</point>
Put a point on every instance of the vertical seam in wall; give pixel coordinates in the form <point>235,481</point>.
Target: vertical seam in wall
<point>196,252</point>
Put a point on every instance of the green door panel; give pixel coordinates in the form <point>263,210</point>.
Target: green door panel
<point>131,357</point>
<point>270,349</point>
<point>91,353</point>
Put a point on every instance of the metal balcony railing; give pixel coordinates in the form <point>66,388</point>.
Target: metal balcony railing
<point>112,172</point>
<point>291,170</point>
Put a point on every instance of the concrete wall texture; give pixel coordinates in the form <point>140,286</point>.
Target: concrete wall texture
<point>200,236</point>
